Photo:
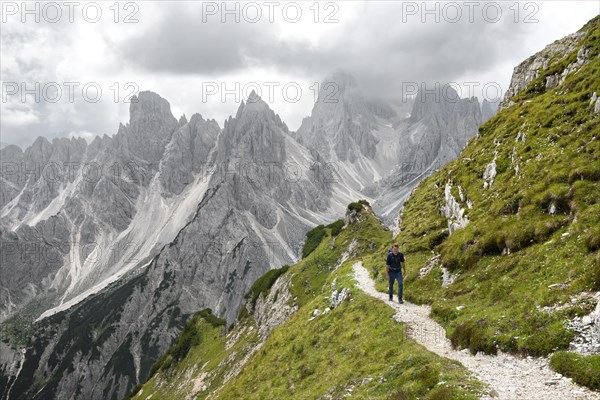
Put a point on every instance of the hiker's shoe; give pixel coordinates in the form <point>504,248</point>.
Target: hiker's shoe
<point>400,301</point>
<point>391,299</point>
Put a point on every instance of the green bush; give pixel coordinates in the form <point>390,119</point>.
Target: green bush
<point>336,227</point>
<point>519,237</point>
<point>502,165</point>
<point>472,335</point>
<point>558,194</point>
<point>584,370</point>
<point>190,336</point>
<point>212,319</point>
<point>437,238</point>
<point>427,375</point>
<point>590,173</point>
<point>441,393</point>
<point>355,206</point>
<point>543,335</point>
<point>313,238</point>
<point>264,283</point>
<point>592,239</point>
<point>444,312</point>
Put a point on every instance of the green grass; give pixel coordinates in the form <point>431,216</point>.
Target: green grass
<point>513,249</point>
<point>357,346</point>
<point>211,354</point>
<point>584,370</point>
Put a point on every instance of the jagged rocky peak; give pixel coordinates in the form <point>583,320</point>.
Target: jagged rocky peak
<point>255,134</point>
<point>59,150</point>
<point>39,149</point>
<point>188,152</point>
<point>488,109</point>
<point>255,107</point>
<point>183,120</point>
<point>343,79</point>
<point>148,104</point>
<point>150,127</point>
<point>341,121</point>
<point>439,101</point>
<point>340,96</point>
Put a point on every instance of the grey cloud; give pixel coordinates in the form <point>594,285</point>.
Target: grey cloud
<point>181,43</point>
<point>377,47</point>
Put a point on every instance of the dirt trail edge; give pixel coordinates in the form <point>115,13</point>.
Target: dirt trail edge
<point>509,376</point>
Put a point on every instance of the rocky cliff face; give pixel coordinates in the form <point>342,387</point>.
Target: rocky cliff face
<point>488,109</point>
<point>341,124</point>
<point>530,69</point>
<point>379,154</point>
<point>439,127</point>
<point>84,210</point>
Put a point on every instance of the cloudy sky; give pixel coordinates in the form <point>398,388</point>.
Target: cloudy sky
<point>82,62</point>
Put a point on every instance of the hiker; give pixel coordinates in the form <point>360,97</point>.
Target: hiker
<point>395,269</point>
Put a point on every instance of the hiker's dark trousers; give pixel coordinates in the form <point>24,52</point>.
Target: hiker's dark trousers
<point>395,275</point>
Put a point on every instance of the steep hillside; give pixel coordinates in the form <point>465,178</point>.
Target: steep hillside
<point>307,332</point>
<point>504,241</point>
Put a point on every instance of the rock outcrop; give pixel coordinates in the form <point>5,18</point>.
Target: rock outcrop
<point>530,69</point>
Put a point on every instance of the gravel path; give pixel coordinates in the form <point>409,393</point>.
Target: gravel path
<point>510,377</point>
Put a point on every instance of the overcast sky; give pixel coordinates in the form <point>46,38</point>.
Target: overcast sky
<point>185,52</point>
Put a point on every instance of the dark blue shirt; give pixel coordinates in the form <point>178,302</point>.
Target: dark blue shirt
<point>393,261</point>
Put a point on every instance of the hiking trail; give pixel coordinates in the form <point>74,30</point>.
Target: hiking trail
<point>510,377</point>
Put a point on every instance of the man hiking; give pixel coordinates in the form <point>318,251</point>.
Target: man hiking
<point>395,269</point>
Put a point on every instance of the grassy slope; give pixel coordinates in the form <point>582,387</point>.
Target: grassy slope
<point>559,163</point>
<point>332,354</point>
